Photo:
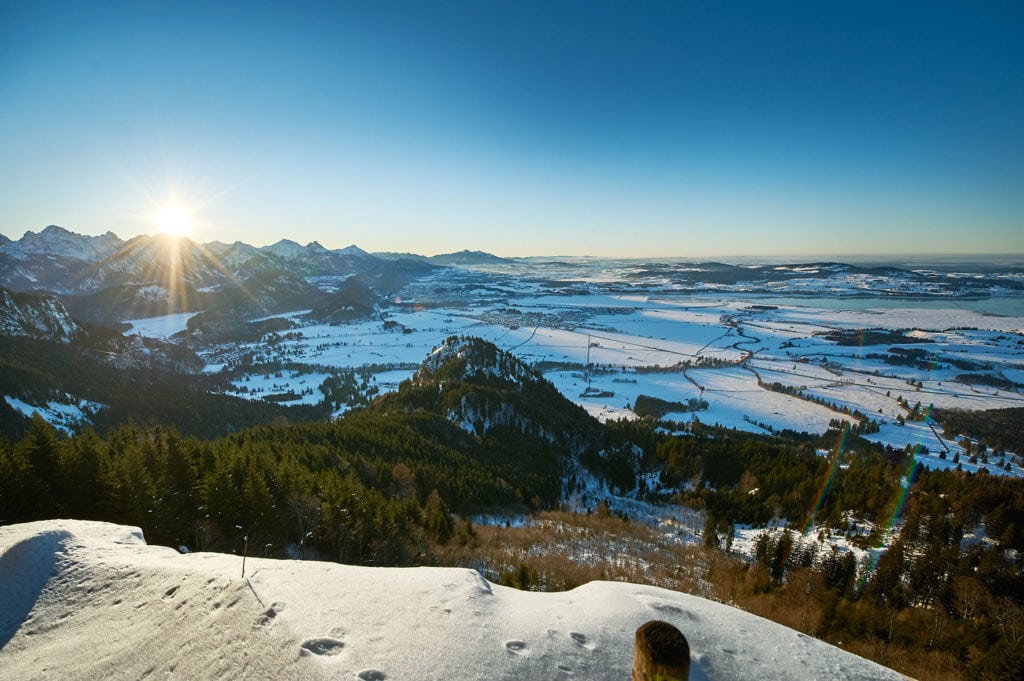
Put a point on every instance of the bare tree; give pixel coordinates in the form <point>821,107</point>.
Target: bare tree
<point>305,509</point>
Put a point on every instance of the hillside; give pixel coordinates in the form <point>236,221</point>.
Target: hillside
<point>123,380</point>
<point>35,316</point>
<point>90,600</point>
<point>482,388</point>
<point>379,482</point>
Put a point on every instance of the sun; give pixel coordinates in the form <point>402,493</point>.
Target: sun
<point>174,219</point>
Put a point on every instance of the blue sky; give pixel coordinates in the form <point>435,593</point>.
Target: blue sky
<point>691,129</point>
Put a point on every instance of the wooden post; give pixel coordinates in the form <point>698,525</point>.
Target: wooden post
<point>661,653</point>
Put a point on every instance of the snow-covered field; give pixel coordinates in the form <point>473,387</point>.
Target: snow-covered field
<point>89,600</point>
<point>304,385</point>
<point>604,350</point>
<point>162,327</point>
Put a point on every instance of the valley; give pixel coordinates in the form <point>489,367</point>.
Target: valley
<point>852,430</point>
<point>759,366</point>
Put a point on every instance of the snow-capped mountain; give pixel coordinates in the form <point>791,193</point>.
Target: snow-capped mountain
<point>238,256</point>
<point>52,260</point>
<point>106,279</point>
<point>164,260</point>
<point>89,600</point>
<point>313,260</point>
<point>64,262</point>
<point>35,316</point>
<point>288,249</point>
<point>353,251</point>
<point>57,241</point>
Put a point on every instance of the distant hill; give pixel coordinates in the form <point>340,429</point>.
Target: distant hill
<point>132,380</point>
<point>483,389</point>
<point>467,258</point>
<point>395,255</point>
<point>457,259</point>
<point>522,427</point>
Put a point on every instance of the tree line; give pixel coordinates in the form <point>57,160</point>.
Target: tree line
<point>368,489</point>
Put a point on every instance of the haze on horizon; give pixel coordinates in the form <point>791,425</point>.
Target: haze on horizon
<point>578,128</point>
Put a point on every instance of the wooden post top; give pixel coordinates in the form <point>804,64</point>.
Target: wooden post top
<point>661,653</point>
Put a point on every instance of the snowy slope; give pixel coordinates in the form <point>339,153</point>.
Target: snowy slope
<point>35,316</point>
<point>90,600</point>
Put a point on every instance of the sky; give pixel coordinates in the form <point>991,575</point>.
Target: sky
<point>639,129</point>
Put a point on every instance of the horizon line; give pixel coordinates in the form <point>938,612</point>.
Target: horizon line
<point>795,258</point>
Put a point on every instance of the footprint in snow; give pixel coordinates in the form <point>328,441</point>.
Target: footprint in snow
<point>515,647</point>
<point>665,607</point>
<point>672,610</point>
<point>267,617</point>
<point>322,646</point>
<point>581,639</point>
<point>371,675</point>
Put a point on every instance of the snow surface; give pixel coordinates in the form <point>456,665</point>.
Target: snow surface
<point>735,347</point>
<point>604,350</point>
<point>91,600</point>
<point>162,327</point>
<point>258,386</point>
<point>67,416</point>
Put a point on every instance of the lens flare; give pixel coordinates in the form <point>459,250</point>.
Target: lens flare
<point>827,483</point>
<point>897,503</point>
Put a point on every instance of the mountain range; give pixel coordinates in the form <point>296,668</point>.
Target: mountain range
<point>60,261</point>
<point>103,278</point>
<point>106,279</point>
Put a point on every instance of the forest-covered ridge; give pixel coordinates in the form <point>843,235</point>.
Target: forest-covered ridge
<point>133,382</point>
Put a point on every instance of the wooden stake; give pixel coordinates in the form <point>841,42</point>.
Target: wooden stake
<point>661,653</point>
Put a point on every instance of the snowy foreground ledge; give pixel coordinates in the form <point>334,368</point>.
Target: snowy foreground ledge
<point>91,600</point>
